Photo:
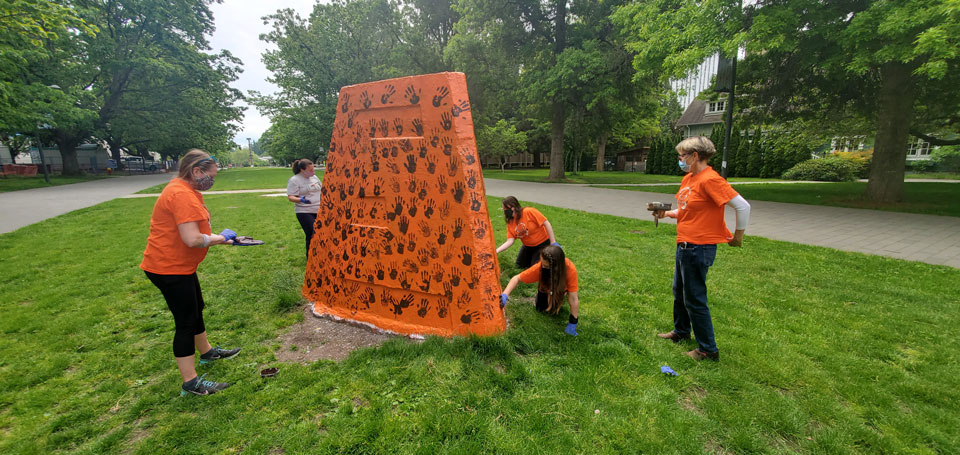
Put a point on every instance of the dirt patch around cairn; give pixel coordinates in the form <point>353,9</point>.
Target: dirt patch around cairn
<point>323,338</point>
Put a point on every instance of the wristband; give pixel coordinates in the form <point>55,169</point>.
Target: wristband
<point>206,240</point>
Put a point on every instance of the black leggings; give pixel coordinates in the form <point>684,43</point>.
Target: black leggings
<point>185,301</point>
<point>530,255</point>
<point>307,220</point>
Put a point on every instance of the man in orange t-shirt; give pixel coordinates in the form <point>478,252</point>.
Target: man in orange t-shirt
<point>531,227</point>
<point>700,227</point>
<point>556,276</point>
<point>179,238</point>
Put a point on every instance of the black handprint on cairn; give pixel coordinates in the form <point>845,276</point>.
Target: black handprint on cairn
<point>441,235</point>
<point>459,108</point>
<point>458,191</point>
<point>346,104</point>
<point>418,126</point>
<point>442,93</point>
<point>447,145</point>
<point>412,210</point>
<point>373,128</point>
<point>431,165</point>
<point>471,179</point>
<point>434,137</point>
<point>479,229</point>
<point>412,94</point>
<point>466,256</point>
<point>474,202</point>
<point>428,212</point>
<point>447,121</point>
<point>384,127</point>
<point>452,166</point>
<point>404,224</point>
<point>365,100</point>
<point>390,90</point>
<point>411,164</point>
<point>424,281</point>
<point>398,126</point>
<point>423,308</point>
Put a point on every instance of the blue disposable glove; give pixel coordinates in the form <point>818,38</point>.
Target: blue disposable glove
<point>228,234</point>
<point>503,300</point>
<point>304,200</point>
<point>571,329</point>
<point>556,244</point>
<point>667,370</point>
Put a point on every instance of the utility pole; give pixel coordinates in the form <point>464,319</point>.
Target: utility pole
<point>729,114</point>
<point>250,149</point>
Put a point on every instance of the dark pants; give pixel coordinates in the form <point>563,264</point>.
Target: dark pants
<point>530,255</point>
<point>690,294</point>
<point>307,220</point>
<point>185,301</point>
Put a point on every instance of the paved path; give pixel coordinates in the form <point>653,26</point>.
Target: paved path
<point>25,207</point>
<point>926,238</point>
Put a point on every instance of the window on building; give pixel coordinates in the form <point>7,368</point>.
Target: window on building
<point>714,107</point>
<point>919,147</point>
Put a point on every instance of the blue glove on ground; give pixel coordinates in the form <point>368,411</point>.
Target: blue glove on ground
<point>228,234</point>
<point>571,329</point>
<point>304,200</point>
<point>667,370</point>
<point>503,301</point>
<point>556,244</point>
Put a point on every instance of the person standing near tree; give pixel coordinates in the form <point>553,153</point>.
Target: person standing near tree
<point>531,227</point>
<point>179,238</point>
<point>700,227</point>
<point>303,189</point>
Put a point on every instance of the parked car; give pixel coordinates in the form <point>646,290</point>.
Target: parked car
<point>137,163</point>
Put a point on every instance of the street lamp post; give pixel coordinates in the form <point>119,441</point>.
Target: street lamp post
<point>250,149</point>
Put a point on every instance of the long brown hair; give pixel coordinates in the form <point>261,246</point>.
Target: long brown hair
<point>193,158</point>
<point>300,165</point>
<point>513,204</point>
<point>552,257</point>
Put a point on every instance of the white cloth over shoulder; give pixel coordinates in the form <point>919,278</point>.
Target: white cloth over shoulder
<point>743,211</point>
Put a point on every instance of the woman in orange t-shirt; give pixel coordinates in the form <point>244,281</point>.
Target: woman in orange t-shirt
<point>179,238</point>
<point>556,277</point>
<point>531,227</point>
<point>700,227</point>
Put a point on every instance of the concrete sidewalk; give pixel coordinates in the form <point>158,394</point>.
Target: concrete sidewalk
<point>926,238</point>
<point>25,207</point>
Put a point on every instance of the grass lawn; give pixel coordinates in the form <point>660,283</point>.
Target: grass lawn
<point>921,197</point>
<point>593,177</point>
<point>19,182</point>
<point>246,178</point>
<point>934,175</point>
<point>821,351</point>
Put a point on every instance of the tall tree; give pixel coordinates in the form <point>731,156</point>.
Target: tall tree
<point>894,63</point>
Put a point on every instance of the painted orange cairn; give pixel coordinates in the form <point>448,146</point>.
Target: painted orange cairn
<point>403,237</point>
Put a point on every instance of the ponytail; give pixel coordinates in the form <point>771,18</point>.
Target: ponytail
<point>301,164</point>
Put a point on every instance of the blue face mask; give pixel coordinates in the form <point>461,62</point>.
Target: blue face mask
<point>684,166</point>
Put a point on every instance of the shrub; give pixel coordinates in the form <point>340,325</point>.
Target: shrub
<point>947,158</point>
<point>860,159</point>
<point>921,166</point>
<point>830,169</point>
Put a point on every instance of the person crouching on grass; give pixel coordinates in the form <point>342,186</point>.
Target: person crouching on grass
<point>179,239</point>
<point>556,277</point>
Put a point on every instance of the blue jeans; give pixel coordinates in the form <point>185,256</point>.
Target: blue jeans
<point>690,294</point>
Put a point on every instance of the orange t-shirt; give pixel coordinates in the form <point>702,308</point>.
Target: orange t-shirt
<point>529,229</point>
<point>701,201</point>
<point>532,275</point>
<point>166,254</point>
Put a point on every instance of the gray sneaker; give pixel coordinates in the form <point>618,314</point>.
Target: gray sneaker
<point>218,353</point>
<point>200,386</point>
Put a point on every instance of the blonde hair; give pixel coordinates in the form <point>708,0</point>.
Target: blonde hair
<point>700,145</point>
<point>194,158</point>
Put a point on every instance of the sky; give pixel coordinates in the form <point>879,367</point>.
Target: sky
<point>238,28</point>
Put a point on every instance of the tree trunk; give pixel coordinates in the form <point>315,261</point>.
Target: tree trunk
<point>115,152</point>
<point>601,151</point>
<point>556,141</point>
<point>559,116</point>
<point>67,143</point>
<point>893,125</point>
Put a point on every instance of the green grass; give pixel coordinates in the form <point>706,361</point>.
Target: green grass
<point>594,177</point>
<point>19,182</point>
<point>245,179</point>
<point>934,175</point>
<point>822,352</point>
<point>919,197</point>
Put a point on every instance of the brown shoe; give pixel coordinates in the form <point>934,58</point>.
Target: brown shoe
<point>698,355</point>
<point>673,336</point>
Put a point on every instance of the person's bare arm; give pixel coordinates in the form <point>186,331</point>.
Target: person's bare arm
<point>549,228</point>
<point>505,245</point>
<point>191,236</point>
